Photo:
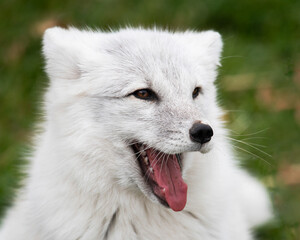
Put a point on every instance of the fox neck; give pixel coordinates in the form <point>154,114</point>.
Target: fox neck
<point>68,179</point>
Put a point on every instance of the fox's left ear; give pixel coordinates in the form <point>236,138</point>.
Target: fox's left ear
<point>206,46</point>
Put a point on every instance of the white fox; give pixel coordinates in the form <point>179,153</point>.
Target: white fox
<point>132,145</point>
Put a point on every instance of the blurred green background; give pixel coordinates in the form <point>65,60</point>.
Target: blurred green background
<point>259,81</point>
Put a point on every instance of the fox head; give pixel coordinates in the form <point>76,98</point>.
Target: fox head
<point>132,102</point>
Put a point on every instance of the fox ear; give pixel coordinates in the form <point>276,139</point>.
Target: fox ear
<point>207,46</point>
<point>62,51</point>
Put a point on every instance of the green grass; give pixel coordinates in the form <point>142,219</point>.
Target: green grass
<point>259,81</point>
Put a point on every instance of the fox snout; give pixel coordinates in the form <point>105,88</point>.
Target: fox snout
<point>201,133</point>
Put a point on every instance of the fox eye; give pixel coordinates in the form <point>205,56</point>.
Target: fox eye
<point>196,92</point>
<point>145,94</point>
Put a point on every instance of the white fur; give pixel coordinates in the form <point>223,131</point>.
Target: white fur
<point>83,172</point>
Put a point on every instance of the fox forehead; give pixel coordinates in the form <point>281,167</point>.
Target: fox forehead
<point>129,59</point>
<point>156,59</point>
<point>135,66</point>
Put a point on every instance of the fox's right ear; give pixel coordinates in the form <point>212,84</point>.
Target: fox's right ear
<point>62,51</point>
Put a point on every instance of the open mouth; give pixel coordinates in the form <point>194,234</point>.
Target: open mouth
<point>162,172</point>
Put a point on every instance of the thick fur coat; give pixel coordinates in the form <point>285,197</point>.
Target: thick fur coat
<point>84,180</point>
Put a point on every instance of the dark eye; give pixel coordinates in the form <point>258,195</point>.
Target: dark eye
<point>145,94</point>
<point>196,92</point>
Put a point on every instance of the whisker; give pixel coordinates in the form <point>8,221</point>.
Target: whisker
<point>140,152</point>
<point>237,56</point>
<point>147,174</point>
<point>250,134</point>
<point>255,144</point>
<point>179,160</point>
<point>244,150</point>
<point>250,138</point>
<point>240,141</point>
<point>163,160</point>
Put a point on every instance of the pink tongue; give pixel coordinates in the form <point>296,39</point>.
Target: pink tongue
<point>167,174</point>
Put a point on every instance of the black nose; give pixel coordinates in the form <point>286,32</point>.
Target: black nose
<point>201,133</point>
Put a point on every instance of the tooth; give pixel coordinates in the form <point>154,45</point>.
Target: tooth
<point>151,169</point>
<point>144,154</point>
<point>146,160</point>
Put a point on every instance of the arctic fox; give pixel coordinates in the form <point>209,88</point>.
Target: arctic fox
<point>133,145</point>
